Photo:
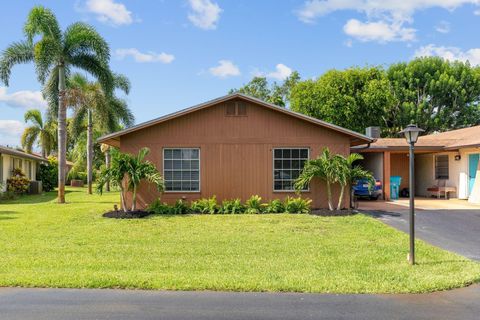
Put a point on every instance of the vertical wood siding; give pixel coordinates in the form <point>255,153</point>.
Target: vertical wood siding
<point>236,151</point>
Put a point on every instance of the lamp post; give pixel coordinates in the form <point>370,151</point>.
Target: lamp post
<point>411,133</point>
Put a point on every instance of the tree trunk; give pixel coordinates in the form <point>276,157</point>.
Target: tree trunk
<point>329,196</point>
<point>107,164</point>
<point>89,151</point>
<point>62,134</point>
<point>122,198</point>
<point>340,198</point>
<point>134,199</point>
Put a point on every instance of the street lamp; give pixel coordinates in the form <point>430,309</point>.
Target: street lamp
<point>411,133</point>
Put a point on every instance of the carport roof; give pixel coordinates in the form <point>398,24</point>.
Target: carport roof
<point>443,141</point>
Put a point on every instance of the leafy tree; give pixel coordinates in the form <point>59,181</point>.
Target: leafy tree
<point>354,98</point>
<point>275,93</point>
<point>93,105</point>
<point>436,94</point>
<point>39,131</point>
<point>131,169</point>
<point>48,174</point>
<point>54,53</point>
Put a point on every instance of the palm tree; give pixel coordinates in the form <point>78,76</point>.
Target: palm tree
<point>91,103</point>
<point>40,132</point>
<point>134,169</point>
<point>54,54</point>
<point>347,173</point>
<point>324,168</point>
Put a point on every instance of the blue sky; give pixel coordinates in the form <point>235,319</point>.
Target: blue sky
<point>183,52</point>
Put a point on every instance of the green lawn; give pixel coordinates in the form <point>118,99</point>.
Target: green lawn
<point>44,244</point>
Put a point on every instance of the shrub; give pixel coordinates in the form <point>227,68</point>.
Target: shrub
<point>232,207</point>
<point>180,207</point>
<point>254,205</point>
<point>274,206</point>
<point>18,183</point>
<point>8,195</point>
<point>205,205</point>
<point>297,205</point>
<point>158,207</point>
<point>48,174</point>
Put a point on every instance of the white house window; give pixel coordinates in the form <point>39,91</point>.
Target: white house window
<point>287,165</point>
<point>181,169</point>
<point>441,167</point>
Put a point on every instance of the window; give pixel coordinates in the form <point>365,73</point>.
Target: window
<point>181,169</point>
<point>441,167</point>
<point>236,108</point>
<point>287,165</point>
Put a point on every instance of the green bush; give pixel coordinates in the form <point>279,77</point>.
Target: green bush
<point>297,205</point>
<point>234,206</point>
<point>159,207</point>
<point>180,207</point>
<point>254,205</point>
<point>48,174</point>
<point>208,206</point>
<point>77,175</point>
<point>274,206</point>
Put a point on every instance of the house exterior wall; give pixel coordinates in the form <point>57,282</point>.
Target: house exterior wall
<point>236,153</point>
<point>373,162</point>
<point>7,165</point>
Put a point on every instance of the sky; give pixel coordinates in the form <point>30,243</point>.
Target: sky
<point>178,53</point>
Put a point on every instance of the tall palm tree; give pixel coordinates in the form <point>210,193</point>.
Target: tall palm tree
<point>93,105</point>
<point>40,131</point>
<point>54,53</point>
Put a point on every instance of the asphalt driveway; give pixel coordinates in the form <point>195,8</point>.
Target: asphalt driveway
<point>53,304</point>
<point>456,230</point>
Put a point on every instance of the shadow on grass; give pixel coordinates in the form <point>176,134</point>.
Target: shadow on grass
<point>5,214</point>
<point>440,262</point>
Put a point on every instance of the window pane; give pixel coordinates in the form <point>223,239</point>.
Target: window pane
<point>195,153</point>
<point>177,185</point>
<point>177,164</point>
<point>168,175</point>
<point>168,153</point>
<point>168,164</point>
<point>286,153</point>
<point>195,165</point>
<point>278,153</point>
<point>278,185</point>
<point>177,154</point>
<point>177,175</point>
<point>186,153</point>
<point>295,164</point>
<point>278,164</point>
<point>304,153</point>
<point>186,185</point>
<point>195,186</point>
<point>195,175</point>
<point>186,175</point>
<point>286,164</point>
<point>276,174</point>
<point>185,164</point>
<point>295,153</point>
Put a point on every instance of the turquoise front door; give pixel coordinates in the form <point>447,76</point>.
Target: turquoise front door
<point>472,170</point>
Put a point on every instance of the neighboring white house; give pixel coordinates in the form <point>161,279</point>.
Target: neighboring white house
<point>12,158</point>
<point>448,160</point>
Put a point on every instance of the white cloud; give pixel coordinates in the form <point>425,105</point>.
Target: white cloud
<point>378,31</point>
<point>24,99</point>
<point>281,72</point>
<point>10,132</point>
<point>109,11</point>
<point>388,15</point>
<point>225,69</point>
<point>144,57</point>
<point>204,14</point>
<point>443,27</point>
<point>450,53</point>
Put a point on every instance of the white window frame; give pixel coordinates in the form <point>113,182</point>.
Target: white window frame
<point>199,169</point>
<point>273,168</point>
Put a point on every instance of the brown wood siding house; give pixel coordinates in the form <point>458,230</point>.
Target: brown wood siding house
<point>228,147</point>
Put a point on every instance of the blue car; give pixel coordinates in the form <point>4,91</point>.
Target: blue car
<point>361,189</point>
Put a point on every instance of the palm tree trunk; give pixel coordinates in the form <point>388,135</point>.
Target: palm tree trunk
<point>62,134</point>
<point>89,151</point>
<point>329,196</point>
<point>134,199</point>
<point>340,198</point>
<point>107,164</point>
<point>122,198</point>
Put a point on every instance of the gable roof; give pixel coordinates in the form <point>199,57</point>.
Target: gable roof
<point>355,137</point>
<point>443,141</point>
<point>19,153</point>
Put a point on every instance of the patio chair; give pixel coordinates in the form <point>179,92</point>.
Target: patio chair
<point>440,188</point>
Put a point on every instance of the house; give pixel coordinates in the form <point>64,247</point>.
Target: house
<point>449,160</point>
<point>16,159</point>
<point>235,146</point>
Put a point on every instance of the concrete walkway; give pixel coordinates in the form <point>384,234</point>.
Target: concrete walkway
<point>451,225</point>
<point>53,304</point>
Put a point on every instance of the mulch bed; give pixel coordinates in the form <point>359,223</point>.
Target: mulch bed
<point>119,214</point>
<point>334,213</point>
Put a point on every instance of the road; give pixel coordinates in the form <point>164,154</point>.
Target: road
<point>53,304</point>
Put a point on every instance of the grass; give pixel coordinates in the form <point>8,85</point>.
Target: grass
<point>43,244</point>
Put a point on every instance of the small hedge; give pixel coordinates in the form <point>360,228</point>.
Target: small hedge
<point>254,205</point>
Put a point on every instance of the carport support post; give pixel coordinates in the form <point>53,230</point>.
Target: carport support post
<point>411,256</point>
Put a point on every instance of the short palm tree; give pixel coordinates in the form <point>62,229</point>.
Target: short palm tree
<point>93,105</point>
<point>127,171</point>
<point>54,54</point>
<point>39,131</point>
